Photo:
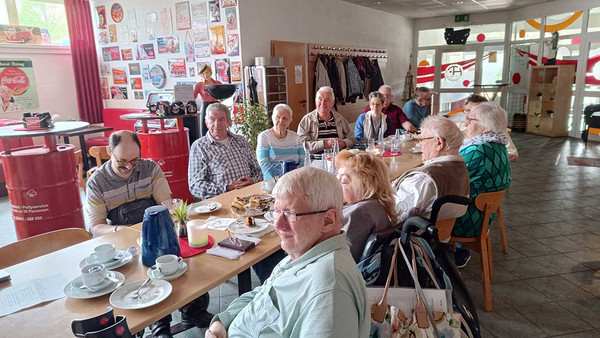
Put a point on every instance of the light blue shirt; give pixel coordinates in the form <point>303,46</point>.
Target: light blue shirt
<point>320,294</point>
<point>415,113</point>
<point>271,150</point>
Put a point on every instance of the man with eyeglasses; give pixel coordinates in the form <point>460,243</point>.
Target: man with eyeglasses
<point>420,107</point>
<point>317,291</point>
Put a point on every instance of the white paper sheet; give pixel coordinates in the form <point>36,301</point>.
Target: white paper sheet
<point>23,295</point>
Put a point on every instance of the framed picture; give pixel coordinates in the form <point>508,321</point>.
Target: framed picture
<point>119,75</point>
<point>182,15</point>
<point>217,40</point>
<point>145,51</point>
<point>231,18</point>
<point>233,44</point>
<point>222,70</point>
<point>215,11</point>
<point>134,69</point>
<point>111,53</point>
<point>118,93</point>
<point>177,67</point>
<point>168,45</point>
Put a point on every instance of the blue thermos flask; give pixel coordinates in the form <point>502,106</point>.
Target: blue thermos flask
<point>158,235</point>
<point>287,166</point>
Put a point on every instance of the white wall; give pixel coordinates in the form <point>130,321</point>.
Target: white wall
<point>327,22</point>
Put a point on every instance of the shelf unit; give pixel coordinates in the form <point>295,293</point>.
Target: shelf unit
<point>272,85</point>
<point>549,100</point>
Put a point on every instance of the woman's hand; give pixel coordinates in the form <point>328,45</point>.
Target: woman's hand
<point>216,330</point>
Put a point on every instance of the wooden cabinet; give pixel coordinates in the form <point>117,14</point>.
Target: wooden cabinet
<point>549,99</point>
<point>271,85</point>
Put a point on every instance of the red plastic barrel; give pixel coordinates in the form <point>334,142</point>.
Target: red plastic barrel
<point>43,189</point>
<point>170,149</point>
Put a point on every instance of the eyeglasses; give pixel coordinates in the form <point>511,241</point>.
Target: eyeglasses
<point>133,162</point>
<point>468,120</point>
<point>421,139</point>
<point>291,216</point>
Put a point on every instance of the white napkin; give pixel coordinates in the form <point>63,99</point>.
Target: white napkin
<point>218,223</point>
<point>224,252</point>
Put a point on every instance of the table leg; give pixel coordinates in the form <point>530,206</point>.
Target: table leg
<point>66,139</point>
<point>84,154</point>
<point>244,282</point>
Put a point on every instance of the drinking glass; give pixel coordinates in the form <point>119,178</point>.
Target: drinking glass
<point>370,143</point>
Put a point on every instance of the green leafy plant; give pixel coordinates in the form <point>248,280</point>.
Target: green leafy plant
<point>181,213</point>
<point>251,119</point>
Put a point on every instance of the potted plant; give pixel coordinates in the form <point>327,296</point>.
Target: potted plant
<point>251,119</point>
<point>181,216</point>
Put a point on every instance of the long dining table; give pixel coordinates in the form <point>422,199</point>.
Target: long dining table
<point>205,272</point>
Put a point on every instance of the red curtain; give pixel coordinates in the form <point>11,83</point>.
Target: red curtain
<point>85,61</point>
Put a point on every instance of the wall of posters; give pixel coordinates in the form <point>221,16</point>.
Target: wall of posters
<point>168,45</point>
<point>222,70</point>
<point>177,67</point>
<point>18,89</point>
<point>119,75</point>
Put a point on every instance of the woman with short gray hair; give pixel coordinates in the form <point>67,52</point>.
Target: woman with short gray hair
<point>369,124</point>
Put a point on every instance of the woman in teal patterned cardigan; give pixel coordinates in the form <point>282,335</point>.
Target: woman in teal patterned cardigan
<point>486,158</point>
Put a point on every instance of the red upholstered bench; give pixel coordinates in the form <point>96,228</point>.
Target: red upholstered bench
<point>112,118</point>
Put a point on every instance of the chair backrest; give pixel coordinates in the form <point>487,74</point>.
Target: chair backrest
<point>445,211</point>
<point>489,203</point>
<point>80,173</point>
<point>39,245</point>
<point>100,154</point>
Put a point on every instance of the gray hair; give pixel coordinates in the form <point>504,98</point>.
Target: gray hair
<point>492,117</point>
<point>284,107</point>
<point>326,89</point>
<point>214,107</point>
<point>421,91</point>
<point>444,128</point>
<point>377,95</point>
<point>319,189</point>
<point>386,87</point>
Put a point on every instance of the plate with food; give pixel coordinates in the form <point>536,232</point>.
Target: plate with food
<point>205,207</point>
<point>255,205</point>
<point>248,225</point>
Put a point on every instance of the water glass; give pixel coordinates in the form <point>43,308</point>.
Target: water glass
<point>370,143</point>
<point>396,146</point>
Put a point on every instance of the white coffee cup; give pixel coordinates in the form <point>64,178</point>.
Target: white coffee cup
<point>93,274</point>
<point>104,253</point>
<point>168,264</point>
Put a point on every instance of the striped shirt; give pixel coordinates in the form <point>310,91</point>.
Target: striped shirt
<point>327,129</point>
<point>271,150</point>
<point>106,190</point>
<point>213,165</point>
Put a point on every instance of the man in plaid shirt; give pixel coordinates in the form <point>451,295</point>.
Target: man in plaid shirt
<point>221,161</point>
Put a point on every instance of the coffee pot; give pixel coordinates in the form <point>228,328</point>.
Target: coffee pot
<point>158,235</point>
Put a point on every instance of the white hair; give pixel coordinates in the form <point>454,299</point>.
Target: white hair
<point>492,117</point>
<point>213,107</point>
<point>284,107</point>
<point>444,128</point>
<point>386,87</point>
<point>319,189</point>
<point>326,89</point>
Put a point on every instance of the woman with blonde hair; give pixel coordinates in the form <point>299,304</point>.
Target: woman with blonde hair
<point>368,198</point>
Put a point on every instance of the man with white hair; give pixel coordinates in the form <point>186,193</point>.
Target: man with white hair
<point>396,115</point>
<point>317,291</point>
<point>221,161</point>
<point>320,128</point>
<point>444,172</point>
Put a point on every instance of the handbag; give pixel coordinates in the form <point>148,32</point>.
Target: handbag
<point>388,320</point>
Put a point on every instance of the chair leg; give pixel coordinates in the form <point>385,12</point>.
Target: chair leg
<point>489,257</point>
<point>502,231</point>
<point>485,277</point>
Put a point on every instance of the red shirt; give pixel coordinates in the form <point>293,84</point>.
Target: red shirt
<point>395,114</point>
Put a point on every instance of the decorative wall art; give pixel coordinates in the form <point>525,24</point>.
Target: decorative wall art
<point>177,67</point>
<point>111,53</point>
<point>236,71</point>
<point>126,54</point>
<point>104,88</point>
<point>145,51</point>
<point>116,12</point>
<point>215,11</point>
<point>222,70</point>
<point>118,93</point>
<point>158,76</point>
<point>233,44</point>
<point>134,69</point>
<point>231,18</point>
<point>182,15</point>
<point>202,50</point>
<point>168,45</point>
<point>112,33</point>
<point>217,40</point>
<point>119,75</point>
<point>101,10</point>
<point>229,3</point>
<point>18,76</point>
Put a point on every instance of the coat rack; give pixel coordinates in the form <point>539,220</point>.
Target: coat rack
<point>344,51</point>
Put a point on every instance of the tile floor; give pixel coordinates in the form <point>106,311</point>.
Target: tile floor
<point>549,283</point>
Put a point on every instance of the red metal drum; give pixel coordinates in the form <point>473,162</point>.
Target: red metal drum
<point>170,149</point>
<point>43,189</point>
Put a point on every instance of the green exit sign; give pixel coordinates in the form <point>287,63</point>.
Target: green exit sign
<point>461,18</point>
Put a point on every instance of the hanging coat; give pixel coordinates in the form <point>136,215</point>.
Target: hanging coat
<point>321,77</point>
<point>334,78</point>
<point>377,79</point>
<point>342,75</point>
<point>354,85</point>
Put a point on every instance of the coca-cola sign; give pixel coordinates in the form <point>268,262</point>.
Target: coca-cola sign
<point>15,79</point>
<point>18,77</point>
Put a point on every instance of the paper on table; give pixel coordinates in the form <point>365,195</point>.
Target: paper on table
<point>224,252</point>
<point>30,293</point>
<point>218,223</point>
<point>248,238</point>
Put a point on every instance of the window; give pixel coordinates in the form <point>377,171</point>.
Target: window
<point>458,69</point>
<point>522,56</point>
<point>594,23</point>
<point>479,33</point>
<point>522,30</point>
<point>47,17</point>
<point>425,68</point>
<point>592,77</point>
<point>565,24</point>
<point>492,65</point>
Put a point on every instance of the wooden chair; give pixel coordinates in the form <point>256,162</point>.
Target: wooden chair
<point>101,155</point>
<point>79,161</point>
<point>488,203</point>
<point>444,212</point>
<point>39,245</point>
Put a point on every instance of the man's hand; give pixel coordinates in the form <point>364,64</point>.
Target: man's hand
<point>341,143</point>
<point>409,127</point>
<point>328,144</point>
<point>216,330</point>
<point>240,183</point>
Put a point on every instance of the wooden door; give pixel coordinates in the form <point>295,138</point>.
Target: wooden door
<point>294,59</point>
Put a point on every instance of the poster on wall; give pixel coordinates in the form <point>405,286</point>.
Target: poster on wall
<point>132,17</point>
<point>134,35</point>
<point>200,30</point>
<point>190,54</point>
<point>191,71</point>
<point>164,19</point>
<point>177,67</point>
<point>126,54</point>
<point>104,69</point>
<point>112,33</point>
<point>217,40</point>
<point>215,11</point>
<point>20,35</point>
<point>158,76</point>
<point>136,83</point>
<point>236,71</point>
<point>116,12</point>
<point>18,90</point>
<point>104,88</point>
<point>45,33</point>
<point>229,3</point>
<point>134,69</point>
<point>231,18</point>
<point>198,10</point>
<point>182,15</point>
<point>124,34</point>
<point>138,95</point>
<point>168,45</point>
<point>118,93</point>
<point>103,37</point>
<point>146,73</point>
<point>101,10</point>
<point>222,70</point>
<point>233,44</point>
<point>111,53</point>
<point>145,51</point>
<point>202,50</point>
<point>119,75</point>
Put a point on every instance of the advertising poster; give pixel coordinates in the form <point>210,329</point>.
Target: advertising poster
<point>116,12</point>
<point>119,75</point>
<point>123,35</point>
<point>134,35</point>
<point>18,90</point>
<point>202,50</point>
<point>126,54</point>
<point>177,67</point>
<point>101,10</point>
<point>134,69</point>
<point>118,93</point>
<point>229,3</point>
<point>158,76</point>
<point>45,33</point>
<point>233,44</point>
<point>217,40</point>
<point>222,70</point>
<point>145,51</point>
<point>146,73</point>
<point>182,15</point>
<point>168,45</point>
<point>103,37</point>
<point>112,33</point>
<point>231,18</point>
<point>138,95</point>
<point>190,54</point>
<point>236,71</point>
<point>111,53</point>
<point>136,83</point>
<point>191,71</point>
<point>104,88</point>
<point>200,30</point>
<point>198,10</point>
<point>104,69</point>
<point>215,11</point>
<point>164,20</point>
<point>20,35</point>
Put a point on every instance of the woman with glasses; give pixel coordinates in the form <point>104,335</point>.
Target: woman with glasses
<point>488,162</point>
<point>369,124</point>
<point>418,108</point>
<point>368,199</point>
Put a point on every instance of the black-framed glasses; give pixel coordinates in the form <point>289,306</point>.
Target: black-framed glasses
<point>291,216</point>
<point>133,162</point>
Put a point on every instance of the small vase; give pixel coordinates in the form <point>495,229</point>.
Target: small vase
<point>182,230</point>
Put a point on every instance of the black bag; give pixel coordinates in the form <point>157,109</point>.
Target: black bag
<point>130,212</point>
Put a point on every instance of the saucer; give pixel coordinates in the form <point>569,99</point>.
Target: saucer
<point>204,207</point>
<point>151,294</point>
<point>125,257</point>
<point>107,286</point>
<point>180,271</point>
<point>238,226</point>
